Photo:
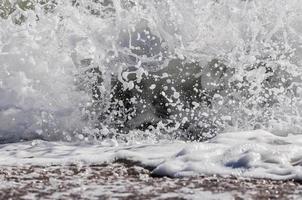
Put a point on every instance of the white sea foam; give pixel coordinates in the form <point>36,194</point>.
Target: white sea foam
<point>257,154</point>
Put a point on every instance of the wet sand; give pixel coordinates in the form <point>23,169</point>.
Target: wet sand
<point>123,180</point>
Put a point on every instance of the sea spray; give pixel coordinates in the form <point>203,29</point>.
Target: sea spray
<point>59,61</point>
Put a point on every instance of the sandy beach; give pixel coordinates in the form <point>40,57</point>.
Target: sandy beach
<point>124,180</point>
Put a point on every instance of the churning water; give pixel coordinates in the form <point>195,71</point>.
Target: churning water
<point>138,69</point>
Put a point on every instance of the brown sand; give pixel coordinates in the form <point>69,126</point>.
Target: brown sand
<point>128,181</point>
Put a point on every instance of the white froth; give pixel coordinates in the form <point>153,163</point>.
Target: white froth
<point>257,154</point>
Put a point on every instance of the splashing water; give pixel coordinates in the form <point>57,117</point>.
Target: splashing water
<point>151,69</point>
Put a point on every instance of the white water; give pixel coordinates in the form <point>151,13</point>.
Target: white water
<point>256,154</point>
<point>48,56</point>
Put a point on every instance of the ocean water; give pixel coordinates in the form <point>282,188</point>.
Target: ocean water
<point>175,83</point>
<point>252,154</point>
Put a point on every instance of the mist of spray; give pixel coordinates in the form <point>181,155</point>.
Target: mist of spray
<point>53,54</point>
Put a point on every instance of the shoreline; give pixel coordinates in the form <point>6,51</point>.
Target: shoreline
<point>122,180</point>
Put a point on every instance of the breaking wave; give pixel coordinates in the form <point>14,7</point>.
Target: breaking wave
<point>135,69</point>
